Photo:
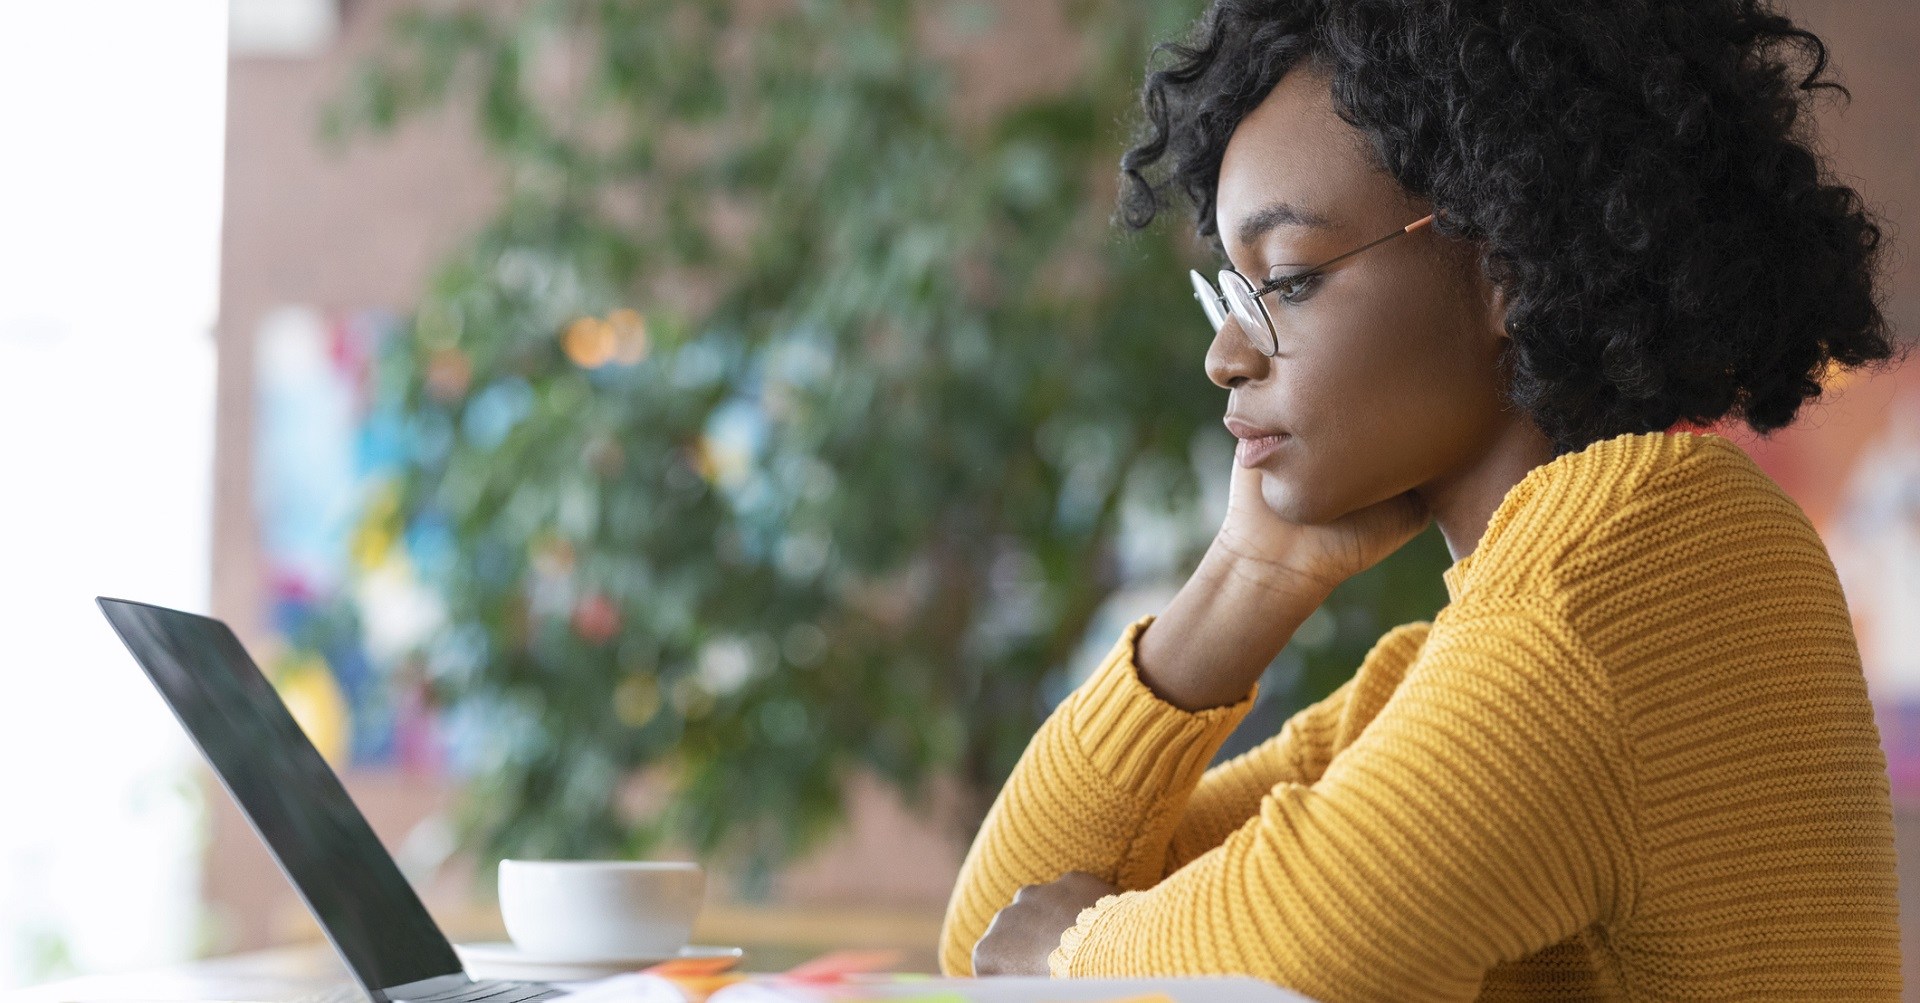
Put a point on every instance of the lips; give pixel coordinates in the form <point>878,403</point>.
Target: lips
<point>1248,430</point>
<point>1256,443</point>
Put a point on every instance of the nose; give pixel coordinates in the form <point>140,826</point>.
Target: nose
<point>1232,359</point>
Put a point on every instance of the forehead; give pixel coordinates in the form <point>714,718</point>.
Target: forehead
<point>1293,147</point>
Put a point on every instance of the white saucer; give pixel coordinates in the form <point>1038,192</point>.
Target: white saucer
<point>502,960</point>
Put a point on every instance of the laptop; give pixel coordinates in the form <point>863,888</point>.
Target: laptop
<point>296,804</point>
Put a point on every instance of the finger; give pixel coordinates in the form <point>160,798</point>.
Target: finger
<point>1244,488</point>
<point>1413,509</point>
<point>985,956</point>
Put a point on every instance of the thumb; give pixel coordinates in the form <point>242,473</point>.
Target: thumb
<point>1402,516</point>
<point>1244,489</point>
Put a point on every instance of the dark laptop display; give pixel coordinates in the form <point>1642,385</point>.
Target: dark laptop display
<point>294,801</point>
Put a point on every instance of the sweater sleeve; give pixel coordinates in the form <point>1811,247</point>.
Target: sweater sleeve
<point>1481,816</point>
<point>1230,793</point>
<point>1100,789</point>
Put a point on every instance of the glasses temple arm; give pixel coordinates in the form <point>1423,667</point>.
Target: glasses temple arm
<point>1273,284</point>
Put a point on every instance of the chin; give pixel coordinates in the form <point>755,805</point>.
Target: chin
<point>1296,503</point>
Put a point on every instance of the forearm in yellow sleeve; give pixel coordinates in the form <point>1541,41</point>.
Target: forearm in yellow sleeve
<point>1481,816</point>
<point>1099,789</point>
<point>1230,794</point>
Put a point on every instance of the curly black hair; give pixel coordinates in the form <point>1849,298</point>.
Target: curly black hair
<point>1639,176</point>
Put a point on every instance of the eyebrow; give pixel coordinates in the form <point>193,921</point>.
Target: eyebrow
<point>1274,214</point>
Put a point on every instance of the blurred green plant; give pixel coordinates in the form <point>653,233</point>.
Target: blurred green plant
<point>781,422</point>
<point>46,953</point>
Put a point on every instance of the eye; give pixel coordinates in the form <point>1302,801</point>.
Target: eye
<point>1296,288</point>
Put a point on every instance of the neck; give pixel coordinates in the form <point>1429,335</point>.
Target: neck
<point>1463,501</point>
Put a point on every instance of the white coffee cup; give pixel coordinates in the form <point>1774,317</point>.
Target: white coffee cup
<point>584,910</point>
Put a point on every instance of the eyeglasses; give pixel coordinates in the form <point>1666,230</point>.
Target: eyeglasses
<point>1244,302</point>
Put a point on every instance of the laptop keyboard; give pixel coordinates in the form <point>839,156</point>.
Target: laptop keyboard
<point>488,990</point>
<point>492,991</point>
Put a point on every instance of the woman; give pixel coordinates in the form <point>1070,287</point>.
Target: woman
<point>1484,256</point>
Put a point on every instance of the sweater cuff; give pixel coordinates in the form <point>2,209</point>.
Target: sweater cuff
<point>1140,742</point>
<point>1060,962</point>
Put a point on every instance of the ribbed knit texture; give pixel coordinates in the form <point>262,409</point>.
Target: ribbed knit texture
<point>1632,758</point>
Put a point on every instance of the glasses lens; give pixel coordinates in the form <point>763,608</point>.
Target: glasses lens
<point>1251,316</point>
<point>1209,300</point>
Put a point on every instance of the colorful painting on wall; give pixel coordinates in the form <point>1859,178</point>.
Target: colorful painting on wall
<point>1874,534</point>
<point>347,612</point>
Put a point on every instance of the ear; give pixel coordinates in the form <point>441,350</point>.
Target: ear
<point>1497,309</point>
<point>1492,295</point>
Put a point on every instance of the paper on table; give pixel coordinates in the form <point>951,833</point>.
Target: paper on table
<point>632,987</point>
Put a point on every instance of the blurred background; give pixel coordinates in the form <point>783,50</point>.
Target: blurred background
<point>681,428</point>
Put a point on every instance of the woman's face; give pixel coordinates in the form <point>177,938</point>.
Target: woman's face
<point>1388,376</point>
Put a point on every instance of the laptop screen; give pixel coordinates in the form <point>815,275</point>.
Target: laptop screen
<point>288,792</point>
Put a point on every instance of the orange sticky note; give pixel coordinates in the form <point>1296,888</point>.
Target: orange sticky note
<point>693,966</point>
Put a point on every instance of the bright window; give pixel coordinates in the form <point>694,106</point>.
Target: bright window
<point>110,184</point>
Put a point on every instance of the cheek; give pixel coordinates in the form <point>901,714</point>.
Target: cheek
<point>1330,399</point>
<point>1346,384</point>
<point>1390,370</point>
<point>1377,406</point>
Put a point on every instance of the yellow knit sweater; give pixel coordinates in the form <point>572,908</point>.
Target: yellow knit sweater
<point>1632,758</point>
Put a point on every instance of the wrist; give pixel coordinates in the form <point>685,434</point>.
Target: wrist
<point>1237,561</point>
<point>1223,628</point>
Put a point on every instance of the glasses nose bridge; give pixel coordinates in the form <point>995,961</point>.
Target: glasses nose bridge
<point>1227,302</point>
